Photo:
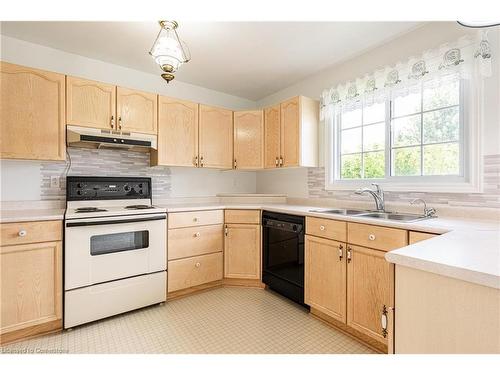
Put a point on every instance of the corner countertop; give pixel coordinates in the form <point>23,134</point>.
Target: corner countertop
<point>466,249</point>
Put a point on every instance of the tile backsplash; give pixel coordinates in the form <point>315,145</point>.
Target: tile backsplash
<point>102,162</point>
<point>489,198</point>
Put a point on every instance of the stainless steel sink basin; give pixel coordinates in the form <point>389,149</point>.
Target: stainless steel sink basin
<point>394,216</point>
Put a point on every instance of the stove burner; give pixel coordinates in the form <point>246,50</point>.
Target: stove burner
<point>138,207</point>
<point>89,209</point>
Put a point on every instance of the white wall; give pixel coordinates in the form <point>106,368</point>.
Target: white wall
<point>20,180</point>
<point>429,36</point>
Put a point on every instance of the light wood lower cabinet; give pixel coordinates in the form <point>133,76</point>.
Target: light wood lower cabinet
<point>370,287</point>
<point>32,107</point>
<point>194,271</point>
<point>325,276</point>
<point>415,237</point>
<point>242,251</point>
<point>31,289</point>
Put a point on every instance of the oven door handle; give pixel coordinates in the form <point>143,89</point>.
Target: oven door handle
<point>107,222</point>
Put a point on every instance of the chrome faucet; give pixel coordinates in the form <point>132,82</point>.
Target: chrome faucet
<point>377,194</point>
<point>428,212</point>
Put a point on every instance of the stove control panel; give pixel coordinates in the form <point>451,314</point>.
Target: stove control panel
<point>96,188</point>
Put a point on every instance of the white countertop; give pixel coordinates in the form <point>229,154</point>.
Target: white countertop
<point>467,249</point>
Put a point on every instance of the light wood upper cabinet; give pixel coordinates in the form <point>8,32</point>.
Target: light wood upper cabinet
<point>370,286</point>
<point>242,251</point>
<point>177,133</point>
<point>248,140</point>
<point>291,133</point>
<point>136,110</point>
<point>31,114</point>
<point>90,103</point>
<point>325,276</point>
<point>272,141</point>
<point>215,137</point>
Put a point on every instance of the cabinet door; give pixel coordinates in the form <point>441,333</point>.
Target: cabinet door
<point>31,285</point>
<point>32,114</point>
<point>242,251</point>
<point>290,132</point>
<point>248,140</point>
<point>325,276</point>
<point>370,286</point>
<point>272,149</point>
<point>90,103</point>
<point>177,133</point>
<point>216,137</point>
<point>136,111</point>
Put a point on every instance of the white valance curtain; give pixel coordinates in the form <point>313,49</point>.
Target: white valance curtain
<point>467,57</point>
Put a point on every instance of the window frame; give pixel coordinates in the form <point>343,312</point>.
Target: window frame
<point>470,178</point>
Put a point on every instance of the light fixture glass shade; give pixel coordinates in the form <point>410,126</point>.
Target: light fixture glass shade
<point>168,50</point>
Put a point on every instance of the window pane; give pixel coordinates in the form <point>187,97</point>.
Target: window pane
<point>350,141</point>
<point>441,125</point>
<point>406,131</point>
<point>374,113</point>
<point>351,119</point>
<point>442,159</point>
<point>407,104</point>
<point>350,166</point>
<point>439,94</point>
<point>406,161</point>
<point>374,137</point>
<point>374,164</point>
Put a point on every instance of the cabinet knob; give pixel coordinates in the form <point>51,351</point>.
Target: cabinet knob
<point>22,233</point>
<point>371,237</point>
<point>321,227</point>
<point>197,234</point>
<point>197,265</point>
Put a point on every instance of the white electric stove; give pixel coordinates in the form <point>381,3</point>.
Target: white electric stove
<point>115,248</point>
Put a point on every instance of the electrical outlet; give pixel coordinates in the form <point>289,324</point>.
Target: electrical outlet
<point>54,182</point>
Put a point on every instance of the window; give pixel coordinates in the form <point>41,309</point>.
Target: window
<point>413,135</point>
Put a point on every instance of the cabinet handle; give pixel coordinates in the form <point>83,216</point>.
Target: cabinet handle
<point>341,252</point>
<point>321,227</point>
<point>197,234</point>
<point>277,162</point>
<point>120,122</point>
<point>112,121</point>
<point>195,161</point>
<point>281,161</point>
<point>201,161</point>
<point>22,233</point>
<point>349,254</point>
<point>371,237</point>
<point>225,230</point>
<point>383,321</point>
<point>197,265</point>
<point>235,164</point>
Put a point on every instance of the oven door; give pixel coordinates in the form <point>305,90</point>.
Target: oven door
<point>111,248</point>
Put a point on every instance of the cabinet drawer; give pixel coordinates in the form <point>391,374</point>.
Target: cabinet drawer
<point>31,232</point>
<point>188,242</point>
<point>189,272</point>
<point>242,216</point>
<point>332,229</point>
<point>194,218</point>
<point>375,237</point>
<point>420,236</point>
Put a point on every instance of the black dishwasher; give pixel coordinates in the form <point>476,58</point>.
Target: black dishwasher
<point>283,254</point>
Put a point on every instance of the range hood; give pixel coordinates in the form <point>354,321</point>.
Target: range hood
<point>78,136</point>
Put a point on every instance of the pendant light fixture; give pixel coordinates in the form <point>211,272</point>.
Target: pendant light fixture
<point>168,50</point>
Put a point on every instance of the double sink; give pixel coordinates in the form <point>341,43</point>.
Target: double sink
<point>403,217</point>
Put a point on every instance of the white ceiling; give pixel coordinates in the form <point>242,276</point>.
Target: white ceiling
<point>248,59</point>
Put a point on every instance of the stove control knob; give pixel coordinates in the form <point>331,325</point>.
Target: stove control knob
<point>140,185</point>
<point>140,191</point>
<point>126,187</point>
<point>294,228</point>
<point>79,192</point>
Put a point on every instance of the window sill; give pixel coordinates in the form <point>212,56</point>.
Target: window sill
<point>418,187</point>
